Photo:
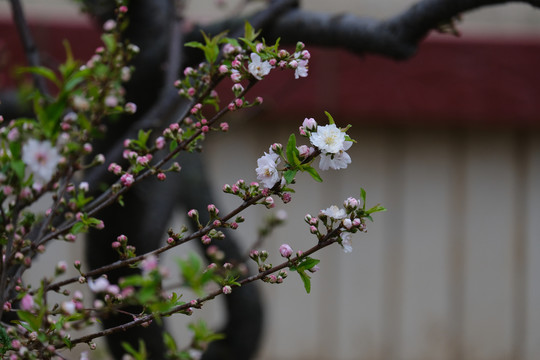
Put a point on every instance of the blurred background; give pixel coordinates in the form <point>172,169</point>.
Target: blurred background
<point>448,141</point>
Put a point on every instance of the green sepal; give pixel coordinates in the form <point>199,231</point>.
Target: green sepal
<point>330,118</point>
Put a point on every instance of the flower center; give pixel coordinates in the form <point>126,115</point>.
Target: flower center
<point>41,158</point>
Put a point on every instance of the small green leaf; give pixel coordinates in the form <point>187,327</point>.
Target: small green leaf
<point>249,32</point>
<point>194,44</point>
<point>18,168</point>
<point>376,208</point>
<point>109,41</point>
<point>308,263</point>
<point>289,175</point>
<point>78,228</point>
<point>41,71</point>
<point>363,197</point>
<point>292,152</point>
<point>314,174</point>
<point>330,118</point>
<point>306,280</point>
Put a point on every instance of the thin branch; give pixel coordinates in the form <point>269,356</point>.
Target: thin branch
<point>327,240</point>
<point>30,49</point>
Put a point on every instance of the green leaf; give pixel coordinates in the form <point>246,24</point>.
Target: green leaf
<point>32,321</point>
<point>18,168</point>
<point>5,341</point>
<point>170,344</point>
<point>308,263</point>
<point>314,174</point>
<point>194,44</point>
<point>249,32</point>
<point>141,354</point>
<point>293,155</point>
<point>330,118</point>
<point>41,71</point>
<point>15,148</point>
<point>306,280</point>
<point>376,208</point>
<point>363,197</point>
<point>78,228</point>
<point>289,175</point>
<point>109,41</point>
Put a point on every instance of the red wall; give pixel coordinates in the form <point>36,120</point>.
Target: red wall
<point>479,81</point>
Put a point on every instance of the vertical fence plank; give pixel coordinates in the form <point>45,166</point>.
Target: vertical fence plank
<point>426,192</point>
<point>521,155</point>
<point>361,273</point>
<point>393,247</point>
<point>456,248</point>
<point>532,301</point>
<point>489,239</point>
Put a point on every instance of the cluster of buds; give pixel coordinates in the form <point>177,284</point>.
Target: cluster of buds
<point>245,64</point>
<point>245,191</point>
<point>275,279</point>
<point>260,257</point>
<point>343,222</point>
<point>195,81</point>
<point>121,245</point>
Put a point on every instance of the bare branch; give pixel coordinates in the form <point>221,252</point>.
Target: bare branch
<point>30,49</point>
<point>396,38</point>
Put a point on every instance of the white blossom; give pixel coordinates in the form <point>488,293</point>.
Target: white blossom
<point>258,68</point>
<point>346,241</point>
<point>98,285</point>
<point>336,161</point>
<point>267,171</point>
<point>301,70</point>
<point>41,158</point>
<point>334,212</point>
<point>328,139</point>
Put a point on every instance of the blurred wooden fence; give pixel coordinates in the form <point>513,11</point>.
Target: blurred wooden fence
<point>449,272</point>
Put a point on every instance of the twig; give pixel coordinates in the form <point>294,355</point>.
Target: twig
<point>30,49</point>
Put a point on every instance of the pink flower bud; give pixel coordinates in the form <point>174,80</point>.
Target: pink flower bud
<point>347,223</point>
<point>309,124</point>
<point>127,180</point>
<point>109,25</point>
<point>254,254</point>
<point>27,302</point>
<point>223,69</point>
<point>213,209</point>
<point>206,240</point>
<point>111,101</point>
<point>160,142</point>
<point>130,108</point>
<point>351,203</point>
<point>285,250</point>
<point>227,289</point>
